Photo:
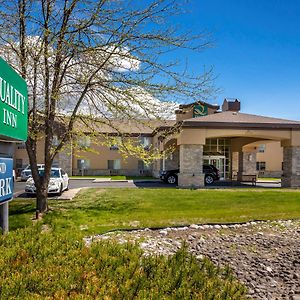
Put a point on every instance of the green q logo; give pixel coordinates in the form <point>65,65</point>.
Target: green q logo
<point>200,110</point>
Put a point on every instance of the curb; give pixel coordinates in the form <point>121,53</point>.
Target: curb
<point>129,180</point>
<point>66,195</point>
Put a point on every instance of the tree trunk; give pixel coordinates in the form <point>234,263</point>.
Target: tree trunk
<point>41,200</point>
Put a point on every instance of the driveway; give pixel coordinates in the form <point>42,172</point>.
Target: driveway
<point>88,183</point>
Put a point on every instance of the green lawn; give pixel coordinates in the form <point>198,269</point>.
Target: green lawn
<point>48,259</point>
<point>268,179</point>
<point>99,210</point>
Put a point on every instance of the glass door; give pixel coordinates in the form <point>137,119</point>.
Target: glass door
<point>218,162</point>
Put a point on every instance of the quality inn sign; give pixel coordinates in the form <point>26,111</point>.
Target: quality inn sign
<point>13,104</point>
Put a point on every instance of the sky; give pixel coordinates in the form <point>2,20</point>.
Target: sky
<point>256,52</point>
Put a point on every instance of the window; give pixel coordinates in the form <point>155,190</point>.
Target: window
<point>83,164</point>
<point>261,148</point>
<point>143,166</point>
<point>116,142</point>
<point>260,166</point>
<point>145,141</point>
<point>114,164</point>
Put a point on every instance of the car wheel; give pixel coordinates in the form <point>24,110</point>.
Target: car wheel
<point>209,179</point>
<point>172,179</point>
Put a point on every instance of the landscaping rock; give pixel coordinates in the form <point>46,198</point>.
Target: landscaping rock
<point>265,256</point>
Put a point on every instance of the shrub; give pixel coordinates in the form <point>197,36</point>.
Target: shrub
<point>50,265</point>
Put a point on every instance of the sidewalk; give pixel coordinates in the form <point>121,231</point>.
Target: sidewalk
<point>109,180</point>
<point>66,195</point>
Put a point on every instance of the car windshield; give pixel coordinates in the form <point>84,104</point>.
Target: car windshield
<point>53,174</point>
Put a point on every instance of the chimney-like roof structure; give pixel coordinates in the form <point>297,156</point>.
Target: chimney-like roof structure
<point>231,105</point>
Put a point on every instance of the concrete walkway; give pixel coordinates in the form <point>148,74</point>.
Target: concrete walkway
<point>107,180</point>
<point>67,195</point>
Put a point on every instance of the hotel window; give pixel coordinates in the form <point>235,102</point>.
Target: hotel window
<point>143,166</point>
<point>260,166</point>
<point>114,164</point>
<point>261,148</point>
<point>83,164</point>
<point>116,143</point>
<point>145,141</point>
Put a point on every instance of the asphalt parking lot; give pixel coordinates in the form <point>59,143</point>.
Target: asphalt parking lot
<point>88,183</point>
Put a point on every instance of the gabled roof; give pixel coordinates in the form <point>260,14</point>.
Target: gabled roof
<point>231,119</point>
<point>129,126</point>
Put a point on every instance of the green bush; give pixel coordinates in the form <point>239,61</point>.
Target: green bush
<point>49,265</point>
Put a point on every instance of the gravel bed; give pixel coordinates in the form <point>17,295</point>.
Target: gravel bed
<point>265,256</point>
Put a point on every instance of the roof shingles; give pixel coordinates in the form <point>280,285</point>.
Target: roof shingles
<point>231,119</point>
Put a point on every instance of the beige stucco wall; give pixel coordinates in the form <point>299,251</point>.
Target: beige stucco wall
<point>22,153</point>
<point>60,158</point>
<point>99,154</point>
<point>273,156</point>
<point>198,135</point>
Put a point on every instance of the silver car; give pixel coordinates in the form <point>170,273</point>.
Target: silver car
<point>26,173</point>
<point>59,182</point>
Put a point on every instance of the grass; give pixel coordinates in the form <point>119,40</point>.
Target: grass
<point>37,264</point>
<point>114,177</point>
<point>268,179</point>
<point>99,210</point>
<point>48,259</point>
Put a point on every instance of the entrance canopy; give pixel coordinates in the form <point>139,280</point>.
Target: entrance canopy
<point>240,129</point>
<point>236,124</point>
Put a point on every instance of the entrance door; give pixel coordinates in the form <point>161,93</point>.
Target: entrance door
<point>218,162</point>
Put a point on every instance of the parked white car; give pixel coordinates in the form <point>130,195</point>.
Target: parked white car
<point>26,173</point>
<point>59,182</point>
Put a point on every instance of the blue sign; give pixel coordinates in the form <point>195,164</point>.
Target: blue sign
<point>6,179</point>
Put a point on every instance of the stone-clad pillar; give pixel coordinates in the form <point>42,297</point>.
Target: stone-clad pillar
<point>246,164</point>
<point>191,166</point>
<point>291,167</point>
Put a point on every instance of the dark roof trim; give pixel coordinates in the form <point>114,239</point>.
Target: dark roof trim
<point>132,134</point>
<point>181,106</point>
<point>240,125</point>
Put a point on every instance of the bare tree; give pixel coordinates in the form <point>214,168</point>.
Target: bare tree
<point>102,59</point>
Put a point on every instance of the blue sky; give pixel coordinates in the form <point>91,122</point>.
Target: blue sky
<point>256,53</point>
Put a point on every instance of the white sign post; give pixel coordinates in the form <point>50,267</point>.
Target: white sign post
<point>4,217</point>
